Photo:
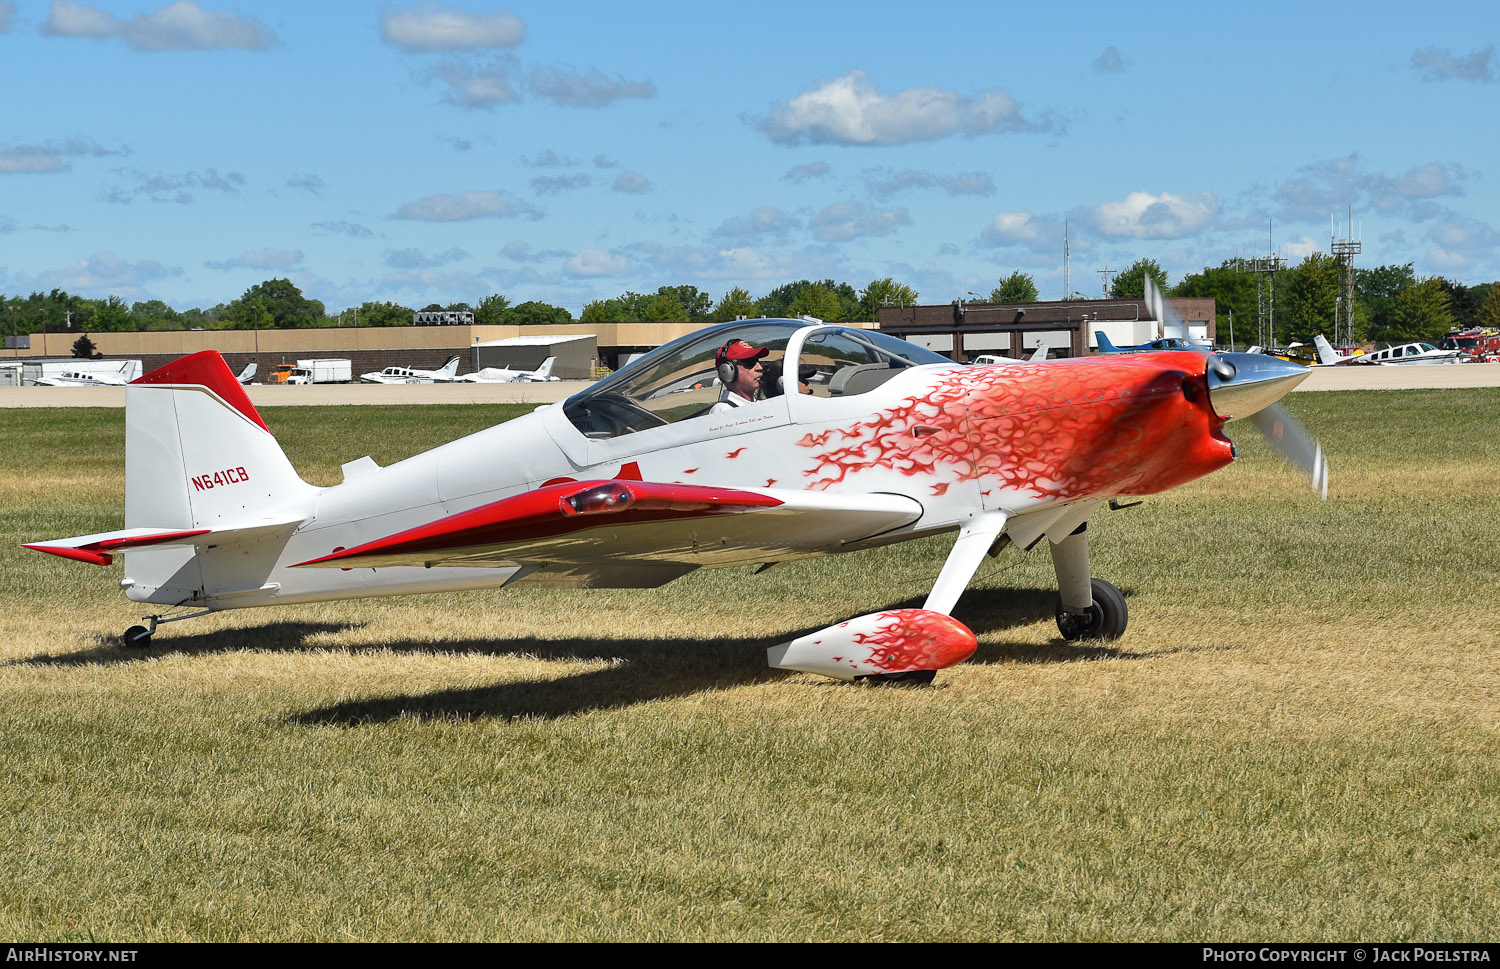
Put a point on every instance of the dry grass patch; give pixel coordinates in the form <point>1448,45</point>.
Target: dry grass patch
<point>1297,738</point>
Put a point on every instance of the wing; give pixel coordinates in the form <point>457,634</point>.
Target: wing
<point>609,524</point>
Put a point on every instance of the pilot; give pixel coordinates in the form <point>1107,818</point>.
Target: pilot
<point>772,384</point>
<point>739,369</point>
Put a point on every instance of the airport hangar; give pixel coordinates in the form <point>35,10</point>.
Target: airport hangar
<point>585,350</point>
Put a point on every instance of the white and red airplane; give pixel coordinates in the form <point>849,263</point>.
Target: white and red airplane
<point>633,482</point>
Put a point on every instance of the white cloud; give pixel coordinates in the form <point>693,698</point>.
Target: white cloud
<point>280,259</point>
<point>432,28</point>
<point>51,156</point>
<point>464,206</point>
<point>597,262</point>
<point>449,284</point>
<point>182,25</point>
<point>849,111</point>
<point>1109,61</point>
<point>416,259</point>
<point>311,184</point>
<point>106,274</point>
<point>1141,215</point>
<point>1318,189</point>
<point>802,173</point>
<point>633,183</point>
<point>1300,248</point>
<point>7,11</point>
<point>1011,228</point>
<point>477,86</point>
<point>843,221</point>
<point>584,89</point>
<point>883,182</point>
<point>547,158</point>
<point>519,251</point>
<point>1437,64</point>
<point>761,222</point>
<point>180,189</point>
<point>553,184</point>
<point>1460,232</point>
<point>351,229</point>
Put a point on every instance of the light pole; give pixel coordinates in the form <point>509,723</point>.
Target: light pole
<point>15,340</point>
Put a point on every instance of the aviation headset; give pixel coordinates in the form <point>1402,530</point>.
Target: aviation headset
<point>726,367</point>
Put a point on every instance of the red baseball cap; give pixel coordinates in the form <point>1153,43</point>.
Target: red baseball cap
<point>739,350</point>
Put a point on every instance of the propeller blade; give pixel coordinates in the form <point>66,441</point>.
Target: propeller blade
<point>1291,440</point>
<point>1248,385</point>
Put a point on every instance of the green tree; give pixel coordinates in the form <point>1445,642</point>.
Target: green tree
<point>1306,298</point>
<point>816,300</point>
<point>1375,296</point>
<point>884,292</point>
<point>277,300</point>
<point>108,315</point>
<point>783,301</point>
<point>1131,283</point>
<point>491,310</point>
<point>735,304</point>
<point>1421,313</point>
<point>153,314</point>
<point>1489,312</point>
<point>603,311</point>
<point>698,305</point>
<point>380,314</point>
<point>533,313</point>
<point>1018,287</point>
<point>1463,302</point>
<point>84,349</point>
<point>1234,294</point>
<point>664,307</point>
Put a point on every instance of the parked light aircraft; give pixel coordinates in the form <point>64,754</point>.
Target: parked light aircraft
<point>1408,354</point>
<point>1165,343</point>
<point>246,375</point>
<point>83,378</point>
<point>632,483</point>
<point>406,375</point>
<point>500,375</point>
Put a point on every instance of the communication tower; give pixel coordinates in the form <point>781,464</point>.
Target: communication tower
<point>1265,269</point>
<point>1344,250</point>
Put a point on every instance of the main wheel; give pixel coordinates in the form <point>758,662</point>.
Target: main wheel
<point>1106,618</point>
<point>136,637</point>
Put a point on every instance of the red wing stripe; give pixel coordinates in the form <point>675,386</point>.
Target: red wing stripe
<point>558,510</point>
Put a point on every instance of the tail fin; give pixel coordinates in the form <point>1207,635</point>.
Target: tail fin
<point>197,454</point>
<point>248,374</point>
<point>1326,354</point>
<point>448,370</point>
<point>544,372</point>
<point>1104,345</point>
<point>199,457</point>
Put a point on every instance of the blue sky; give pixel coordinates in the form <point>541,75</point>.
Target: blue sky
<point>570,151</point>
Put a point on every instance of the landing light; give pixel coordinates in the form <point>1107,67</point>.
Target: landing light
<point>599,500</point>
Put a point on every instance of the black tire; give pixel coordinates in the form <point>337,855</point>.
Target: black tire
<point>136,637</point>
<point>905,678</point>
<point>1106,619</point>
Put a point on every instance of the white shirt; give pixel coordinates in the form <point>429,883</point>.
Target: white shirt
<point>728,401</point>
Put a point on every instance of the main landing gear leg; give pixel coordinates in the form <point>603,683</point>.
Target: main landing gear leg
<point>1087,608</point>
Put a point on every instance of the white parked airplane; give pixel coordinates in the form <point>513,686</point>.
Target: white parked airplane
<point>500,375</point>
<point>246,375</point>
<point>407,375</point>
<point>1410,353</point>
<point>82,378</point>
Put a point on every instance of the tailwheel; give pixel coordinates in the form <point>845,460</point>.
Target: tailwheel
<point>1106,618</point>
<point>904,678</point>
<point>136,637</point>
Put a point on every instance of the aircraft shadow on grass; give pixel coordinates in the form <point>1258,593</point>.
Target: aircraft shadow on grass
<point>641,669</point>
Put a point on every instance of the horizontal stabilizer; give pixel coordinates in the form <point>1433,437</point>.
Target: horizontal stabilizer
<point>101,549</point>
<point>594,523</point>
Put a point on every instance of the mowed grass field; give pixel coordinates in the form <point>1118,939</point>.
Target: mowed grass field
<point>1298,738</point>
